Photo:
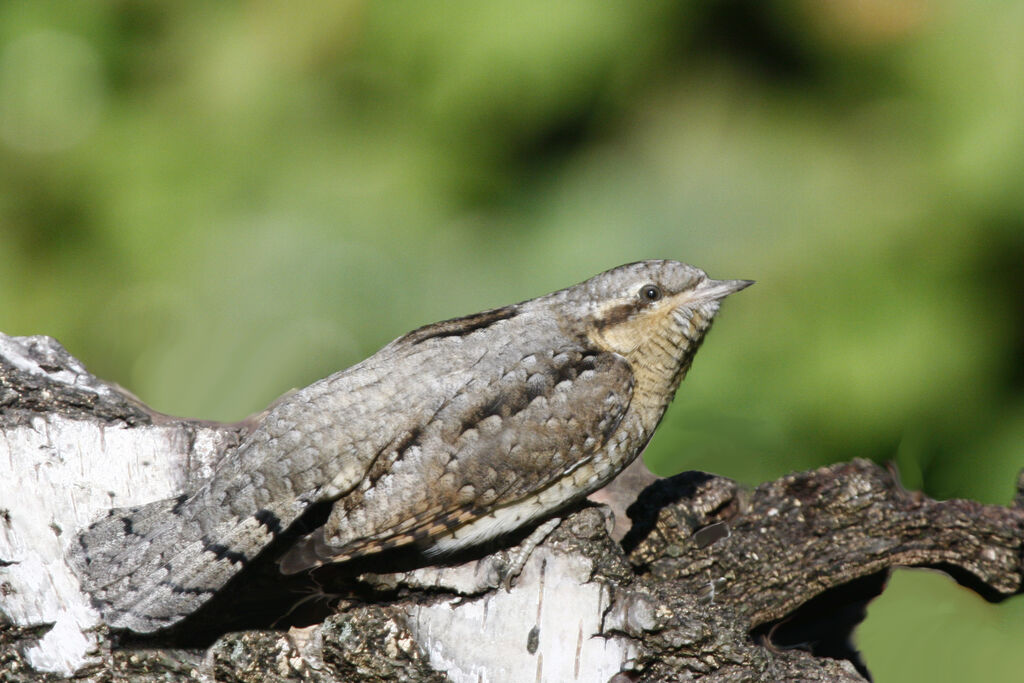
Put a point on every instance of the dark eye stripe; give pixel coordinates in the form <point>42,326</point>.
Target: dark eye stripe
<point>617,315</point>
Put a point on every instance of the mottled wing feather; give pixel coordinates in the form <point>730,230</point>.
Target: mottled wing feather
<point>147,567</point>
<point>489,447</point>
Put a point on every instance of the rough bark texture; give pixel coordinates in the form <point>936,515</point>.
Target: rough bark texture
<point>710,580</point>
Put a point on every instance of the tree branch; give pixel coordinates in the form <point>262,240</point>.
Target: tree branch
<point>709,580</point>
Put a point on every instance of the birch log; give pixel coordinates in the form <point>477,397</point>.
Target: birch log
<point>700,578</point>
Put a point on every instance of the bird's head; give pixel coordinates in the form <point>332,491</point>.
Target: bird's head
<point>654,313</point>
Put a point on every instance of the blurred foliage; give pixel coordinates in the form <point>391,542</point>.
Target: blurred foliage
<point>211,203</point>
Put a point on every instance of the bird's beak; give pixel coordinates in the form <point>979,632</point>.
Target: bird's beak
<point>714,290</point>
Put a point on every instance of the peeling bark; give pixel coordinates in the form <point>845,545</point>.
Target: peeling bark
<point>700,579</point>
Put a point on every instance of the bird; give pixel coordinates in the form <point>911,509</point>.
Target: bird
<point>451,436</point>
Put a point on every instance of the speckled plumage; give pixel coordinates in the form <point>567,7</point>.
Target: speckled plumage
<point>449,436</point>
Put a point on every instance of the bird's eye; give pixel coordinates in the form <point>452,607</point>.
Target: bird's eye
<point>650,293</point>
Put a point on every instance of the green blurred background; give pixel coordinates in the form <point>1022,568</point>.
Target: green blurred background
<point>211,203</point>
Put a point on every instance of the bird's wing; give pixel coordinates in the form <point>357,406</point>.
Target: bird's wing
<point>149,566</point>
<point>487,448</point>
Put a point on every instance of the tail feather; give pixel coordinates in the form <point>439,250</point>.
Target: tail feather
<point>112,546</point>
<point>148,567</point>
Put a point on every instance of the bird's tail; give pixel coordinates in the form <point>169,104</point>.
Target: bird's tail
<point>148,567</point>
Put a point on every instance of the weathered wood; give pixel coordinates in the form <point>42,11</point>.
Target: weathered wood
<point>711,580</point>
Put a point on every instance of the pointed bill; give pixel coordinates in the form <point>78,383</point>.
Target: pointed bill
<point>713,290</point>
